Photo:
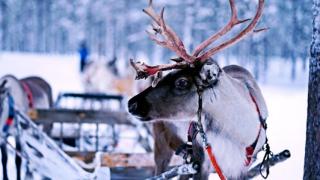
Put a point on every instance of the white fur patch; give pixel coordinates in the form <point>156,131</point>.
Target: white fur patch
<point>237,122</point>
<point>230,156</point>
<point>209,72</point>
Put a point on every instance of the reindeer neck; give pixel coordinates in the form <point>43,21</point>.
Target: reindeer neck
<point>229,111</point>
<point>17,93</point>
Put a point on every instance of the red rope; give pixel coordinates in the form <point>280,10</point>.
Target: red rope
<point>29,93</point>
<point>214,162</point>
<point>255,103</point>
<point>250,149</point>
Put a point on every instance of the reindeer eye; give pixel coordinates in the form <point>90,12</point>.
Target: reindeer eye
<point>182,83</point>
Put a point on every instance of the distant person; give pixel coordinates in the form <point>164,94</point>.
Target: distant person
<point>113,66</point>
<point>84,53</point>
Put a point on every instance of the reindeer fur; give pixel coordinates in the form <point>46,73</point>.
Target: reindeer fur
<point>231,120</point>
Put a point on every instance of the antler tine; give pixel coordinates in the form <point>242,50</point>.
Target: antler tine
<point>144,71</point>
<point>171,33</point>
<point>233,21</point>
<point>261,30</point>
<point>171,39</point>
<point>150,11</point>
<point>238,37</point>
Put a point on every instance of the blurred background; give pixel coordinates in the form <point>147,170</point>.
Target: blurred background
<point>47,38</point>
<point>113,28</point>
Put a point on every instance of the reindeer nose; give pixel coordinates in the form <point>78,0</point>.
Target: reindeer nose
<point>139,107</point>
<point>133,107</point>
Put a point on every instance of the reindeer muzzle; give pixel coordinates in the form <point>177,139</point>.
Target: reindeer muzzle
<point>139,107</point>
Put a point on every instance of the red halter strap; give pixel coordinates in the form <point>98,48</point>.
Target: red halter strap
<point>214,162</point>
<point>192,133</point>
<point>250,149</point>
<point>29,94</point>
<point>204,138</point>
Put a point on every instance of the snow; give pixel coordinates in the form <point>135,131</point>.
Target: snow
<point>286,128</point>
<point>60,71</point>
<point>286,100</point>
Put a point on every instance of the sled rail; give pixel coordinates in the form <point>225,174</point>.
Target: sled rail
<point>78,117</point>
<point>87,96</point>
<point>137,160</point>
<point>111,117</point>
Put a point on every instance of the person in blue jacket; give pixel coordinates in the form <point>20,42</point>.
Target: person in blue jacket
<point>84,53</point>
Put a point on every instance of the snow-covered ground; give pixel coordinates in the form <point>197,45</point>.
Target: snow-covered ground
<point>287,101</point>
<point>60,71</point>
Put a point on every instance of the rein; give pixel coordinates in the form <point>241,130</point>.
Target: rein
<point>11,115</point>
<point>204,137</point>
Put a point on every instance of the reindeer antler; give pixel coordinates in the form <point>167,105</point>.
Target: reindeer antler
<point>144,71</point>
<point>233,22</point>
<point>171,39</point>
<point>174,43</point>
<point>250,28</point>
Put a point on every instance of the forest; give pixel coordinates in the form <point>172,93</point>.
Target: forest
<point>115,28</point>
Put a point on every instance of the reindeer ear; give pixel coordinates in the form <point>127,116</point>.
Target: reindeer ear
<point>156,78</point>
<point>2,85</point>
<point>209,73</point>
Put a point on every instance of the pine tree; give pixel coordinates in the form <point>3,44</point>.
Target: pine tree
<point>312,150</point>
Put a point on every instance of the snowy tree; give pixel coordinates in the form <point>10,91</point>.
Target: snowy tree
<point>4,24</point>
<point>116,28</point>
<point>312,150</point>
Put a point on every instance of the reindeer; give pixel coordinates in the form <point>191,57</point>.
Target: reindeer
<point>103,77</point>
<point>233,108</point>
<point>28,93</point>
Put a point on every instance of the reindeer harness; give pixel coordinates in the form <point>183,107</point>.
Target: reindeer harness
<point>27,90</point>
<point>197,127</point>
<point>11,114</point>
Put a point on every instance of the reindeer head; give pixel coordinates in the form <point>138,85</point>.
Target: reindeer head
<point>175,95</point>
